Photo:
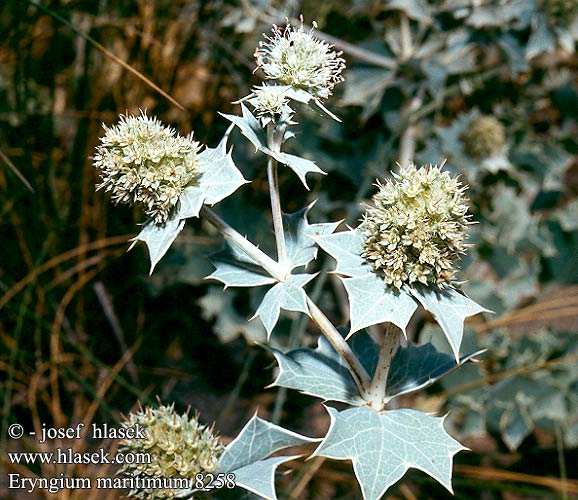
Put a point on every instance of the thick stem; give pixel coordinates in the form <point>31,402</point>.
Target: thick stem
<point>260,257</point>
<point>356,369</point>
<point>405,37</point>
<point>274,144</point>
<point>390,343</point>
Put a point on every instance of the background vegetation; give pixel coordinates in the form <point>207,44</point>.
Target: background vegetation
<point>85,333</point>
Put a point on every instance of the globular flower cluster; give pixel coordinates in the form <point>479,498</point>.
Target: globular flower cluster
<point>485,137</point>
<point>143,162</point>
<point>178,445</point>
<point>295,57</point>
<point>271,100</point>
<point>415,229</point>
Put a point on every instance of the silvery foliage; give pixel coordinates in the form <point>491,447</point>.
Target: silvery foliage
<point>347,365</point>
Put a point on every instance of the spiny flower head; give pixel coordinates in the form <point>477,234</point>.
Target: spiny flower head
<point>178,446</point>
<point>295,57</point>
<point>142,161</point>
<point>484,137</point>
<point>271,100</point>
<point>415,229</point>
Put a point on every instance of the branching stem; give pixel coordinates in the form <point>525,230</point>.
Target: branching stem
<point>260,257</point>
<point>279,270</point>
<point>356,369</point>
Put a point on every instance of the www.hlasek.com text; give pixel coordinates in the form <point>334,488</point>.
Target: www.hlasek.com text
<point>69,456</point>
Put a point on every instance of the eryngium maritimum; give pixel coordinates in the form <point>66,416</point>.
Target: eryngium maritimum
<point>484,137</point>
<point>178,446</point>
<point>415,229</point>
<point>142,161</point>
<point>295,57</point>
<point>271,100</point>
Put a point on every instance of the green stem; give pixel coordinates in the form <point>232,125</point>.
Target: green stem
<point>260,257</point>
<point>356,369</point>
<point>274,143</point>
<point>389,346</point>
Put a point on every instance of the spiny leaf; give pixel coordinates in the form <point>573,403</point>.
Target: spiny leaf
<point>249,127</point>
<point>252,130</point>
<point>259,477</point>
<point>450,309</point>
<point>300,166</point>
<point>416,367</point>
<point>541,40</point>
<point>159,238</point>
<point>305,97</point>
<point>299,234</point>
<point>345,247</point>
<point>220,176</point>
<point>190,202</point>
<point>384,446</point>
<point>288,295</point>
<point>235,268</point>
<point>320,372</point>
<point>372,302</point>
<point>247,456</point>
<point>256,441</point>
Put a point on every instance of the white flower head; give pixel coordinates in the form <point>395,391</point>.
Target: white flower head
<point>271,100</point>
<point>415,229</point>
<point>178,447</point>
<point>141,161</point>
<point>295,57</point>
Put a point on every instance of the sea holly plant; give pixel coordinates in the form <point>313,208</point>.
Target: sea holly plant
<point>401,256</point>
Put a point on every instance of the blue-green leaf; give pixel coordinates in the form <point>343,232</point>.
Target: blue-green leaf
<point>220,177</point>
<point>190,202</point>
<point>384,446</point>
<point>299,237</point>
<point>252,130</point>
<point>159,238</point>
<point>235,268</point>
<point>300,166</point>
<point>450,309</point>
<point>288,295</point>
<point>416,367</point>
<point>372,302</point>
<point>345,247</point>
<point>542,39</point>
<point>320,372</point>
<point>247,456</point>
<point>259,477</point>
<point>249,127</point>
<point>305,97</point>
<point>256,441</point>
